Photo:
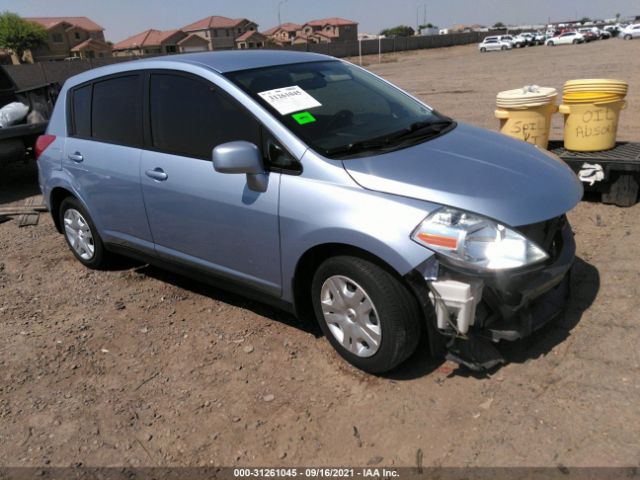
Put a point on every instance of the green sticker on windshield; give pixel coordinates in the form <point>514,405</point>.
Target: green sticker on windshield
<point>303,117</point>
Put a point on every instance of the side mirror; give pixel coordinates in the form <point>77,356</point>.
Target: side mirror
<point>241,157</point>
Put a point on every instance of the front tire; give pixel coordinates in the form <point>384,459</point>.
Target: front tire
<point>628,37</point>
<point>81,235</point>
<point>367,314</point>
<point>483,49</point>
<point>551,44</point>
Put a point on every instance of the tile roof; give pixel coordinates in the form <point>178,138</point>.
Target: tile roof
<point>192,36</point>
<point>148,38</point>
<point>90,41</point>
<point>335,21</point>
<point>287,27</point>
<point>248,34</point>
<point>82,22</point>
<point>213,22</point>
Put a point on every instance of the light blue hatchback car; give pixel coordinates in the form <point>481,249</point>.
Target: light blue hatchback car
<point>313,184</point>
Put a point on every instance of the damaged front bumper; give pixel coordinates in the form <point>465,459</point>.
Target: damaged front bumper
<point>475,310</point>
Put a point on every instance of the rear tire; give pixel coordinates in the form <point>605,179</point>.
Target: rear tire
<point>353,297</point>
<point>575,42</point>
<point>81,235</point>
<point>628,37</point>
<point>503,48</point>
<point>623,191</point>
<point>551,44</point>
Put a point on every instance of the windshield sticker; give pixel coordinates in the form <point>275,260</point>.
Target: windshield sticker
<point>303,118</point>
<point>289,99</point>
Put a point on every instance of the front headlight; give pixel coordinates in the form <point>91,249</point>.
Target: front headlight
<point>474,241</point>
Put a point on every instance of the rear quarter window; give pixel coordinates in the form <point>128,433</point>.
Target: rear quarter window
<point>81,111</point>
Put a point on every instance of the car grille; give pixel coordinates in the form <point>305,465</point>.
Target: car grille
<point>545,234</point>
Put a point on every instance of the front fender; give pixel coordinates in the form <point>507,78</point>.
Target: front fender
<point>314,213</point>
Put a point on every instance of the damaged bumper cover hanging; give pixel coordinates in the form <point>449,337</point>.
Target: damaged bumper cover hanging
<point>475,310</point>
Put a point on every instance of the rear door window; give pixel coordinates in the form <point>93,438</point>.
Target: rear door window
<point>116,114</point>
<point>190,117</point>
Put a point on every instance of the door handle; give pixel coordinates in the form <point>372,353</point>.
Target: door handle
<point>157,174</point>
<point>76,157</point>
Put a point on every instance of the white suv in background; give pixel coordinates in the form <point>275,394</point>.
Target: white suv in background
<point>515,42</point>
<point>566,38</point>
<point>630,32</point>
<point>493,43</point>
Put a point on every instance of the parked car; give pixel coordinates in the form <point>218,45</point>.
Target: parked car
<point>566,38</point>
<point>630,32</point>
<point>604,34</point>
<point>533,38</point>
<point>516,42</point>
<point>589,34</point>
<point>519,41</point>
<point>493,43</point>
<point>18,139</point>
<point>310,183</point>
<point>613,30</point>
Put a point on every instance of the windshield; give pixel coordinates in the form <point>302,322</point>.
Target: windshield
<point>340,110</point>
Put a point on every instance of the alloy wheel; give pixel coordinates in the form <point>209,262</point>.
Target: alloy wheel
<point>78,234</point>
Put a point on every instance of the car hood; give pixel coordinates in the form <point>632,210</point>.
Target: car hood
<point>475,170</point>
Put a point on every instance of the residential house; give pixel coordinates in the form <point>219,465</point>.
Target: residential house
<point>157,42</point>
<point>221,33</point>
<point>328,30</point>
<point>283,34</point>
<point>91,48</point>
<point>312,37</point>
<point>251,39</point>
<point>69,37</point>
<point>193,43</point>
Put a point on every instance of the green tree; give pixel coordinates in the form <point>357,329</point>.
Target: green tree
<point>584,20</point>
<point>18,35</point>
<point>617,18</point>
<point>499,26</point>
<point>399,31</point>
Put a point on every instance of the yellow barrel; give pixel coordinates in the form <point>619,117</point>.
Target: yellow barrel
<point>591,109</point>
<point>591,127</point>
<point>525,113</point>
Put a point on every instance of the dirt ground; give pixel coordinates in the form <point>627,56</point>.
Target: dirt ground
<point>135,366</point>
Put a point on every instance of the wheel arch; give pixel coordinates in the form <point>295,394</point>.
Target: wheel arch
<point>56,197</point>
<point>311,260</point>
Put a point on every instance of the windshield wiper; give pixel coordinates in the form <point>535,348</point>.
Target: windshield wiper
<point>415,130</point>
<point>418,129</point>
<point>357,147</point>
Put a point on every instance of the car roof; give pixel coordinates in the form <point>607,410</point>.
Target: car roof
<point>234,60</point>
<point>220,62</point>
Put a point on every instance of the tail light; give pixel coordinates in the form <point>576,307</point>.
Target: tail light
<point>42,143</point>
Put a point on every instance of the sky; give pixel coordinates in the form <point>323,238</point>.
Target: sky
<point>123,18</point>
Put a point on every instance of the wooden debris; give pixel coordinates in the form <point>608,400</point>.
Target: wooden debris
<point>29,213</point>
<point>11,211</point>
<point>27,219</point>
